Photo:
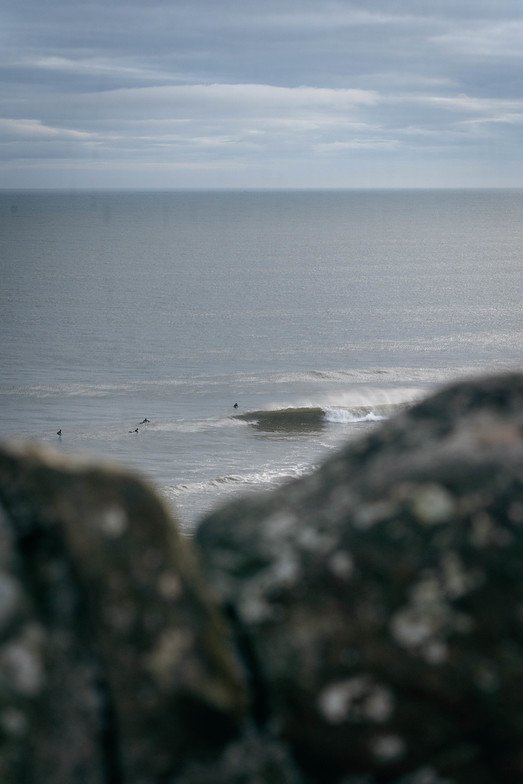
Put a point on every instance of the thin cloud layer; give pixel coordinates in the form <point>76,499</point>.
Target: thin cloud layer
<point>266,94</point>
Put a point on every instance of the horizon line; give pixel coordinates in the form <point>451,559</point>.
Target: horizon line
<point>238,189</point>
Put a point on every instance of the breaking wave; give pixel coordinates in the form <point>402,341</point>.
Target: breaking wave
<point>315,418</point>
<point>255,479</point>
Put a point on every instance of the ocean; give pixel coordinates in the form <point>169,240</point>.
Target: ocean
<point>135,322</point>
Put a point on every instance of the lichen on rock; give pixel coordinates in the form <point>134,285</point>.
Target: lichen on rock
<point>113,663</point>
<point>395,654</point>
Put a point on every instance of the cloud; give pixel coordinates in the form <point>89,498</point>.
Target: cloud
<point>499,40</point>
<point>471,104</point>
<point>234,100</point>
<point>94,67</point>
<point>200,86</point>
<point>358,144</point>
<point>34,129</point>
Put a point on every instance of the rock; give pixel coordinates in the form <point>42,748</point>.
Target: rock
<point>378,604</point>
<point>254,758</point>
<point>363,625</point>
<point>113,664</point>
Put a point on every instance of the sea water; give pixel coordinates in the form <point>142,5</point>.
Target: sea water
<point>319,313</point>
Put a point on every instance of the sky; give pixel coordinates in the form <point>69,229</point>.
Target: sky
<point>162,94</point>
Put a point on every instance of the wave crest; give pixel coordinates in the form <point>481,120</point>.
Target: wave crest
<point>314,418</point>
<point>255,479</point>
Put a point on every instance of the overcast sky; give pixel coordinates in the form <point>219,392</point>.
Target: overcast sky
<point>261,93</point>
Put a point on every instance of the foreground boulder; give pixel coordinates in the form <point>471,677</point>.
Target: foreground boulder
<point>379,602</point>
<point>363,625</point>
<point>113,665</point>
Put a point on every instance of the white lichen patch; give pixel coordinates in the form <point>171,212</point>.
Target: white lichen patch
<point>284,571</point>
<point>254,609</point>
<point>435,652</point>
<point>411,628</point>
<point>432,504</point>
<point>428,617</point>
<point>379,704</point>
<point>279,524</point>
<point>169,586</point>
<point>356,700</point>
<point>315,541</point>
<point>113,521</point>
<point>370,514</point>
<point>427,595</point>
<point>456,580</point>
<point>14,722</point>
<point>21,662</point>
<point>258,602</point>
<point>424,618</point>
<point>388,748</point>
<point>164,660</point>
<point>336,701</point>
<point>341,564</point>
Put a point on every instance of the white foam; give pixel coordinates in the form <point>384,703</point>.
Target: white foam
<point>230,481</point>
<point>345,416</point>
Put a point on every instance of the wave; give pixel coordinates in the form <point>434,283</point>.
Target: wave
<point>192,383</point>
<point>224,484</point>
<point>244,381</point>
<point>286,419</point>
<point>309,419</point>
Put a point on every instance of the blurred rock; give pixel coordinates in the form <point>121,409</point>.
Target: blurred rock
<point>379,602</point>
<point>113,665</point>
<point>363,625</point>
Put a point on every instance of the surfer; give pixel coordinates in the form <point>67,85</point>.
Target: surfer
<point>235,405</point>
<point>134,431</point>
<point>145,421</point>
<point>59,434</point>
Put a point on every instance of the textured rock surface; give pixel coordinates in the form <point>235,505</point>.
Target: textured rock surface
<point>113,667</point>
<point>365,627</point>
<point>379,602</point>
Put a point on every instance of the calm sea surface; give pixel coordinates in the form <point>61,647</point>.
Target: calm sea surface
<point>172,307</point>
